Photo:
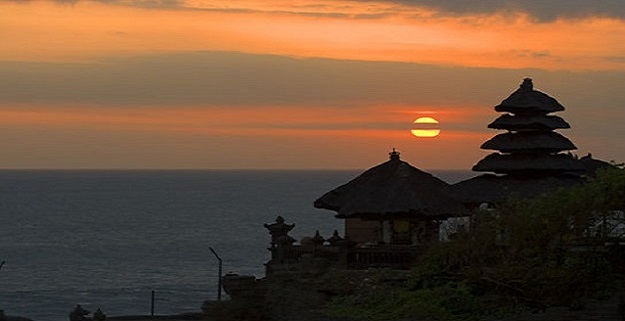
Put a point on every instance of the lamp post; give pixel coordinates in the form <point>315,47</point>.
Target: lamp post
<point>152,305</point>
<point>220,269</point>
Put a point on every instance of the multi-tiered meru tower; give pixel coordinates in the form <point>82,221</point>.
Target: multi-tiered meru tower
<point>530,147</point>
<point>530,158</point>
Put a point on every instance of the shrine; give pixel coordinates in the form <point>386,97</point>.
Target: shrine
<point>392,203</point>
<point>393,212</point>
<point>530,158</point>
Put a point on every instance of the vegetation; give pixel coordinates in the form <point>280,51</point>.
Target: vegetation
<point>558,249</point>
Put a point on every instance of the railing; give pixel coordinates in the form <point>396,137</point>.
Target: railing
<point>384,256</point>
<point>394,256</point>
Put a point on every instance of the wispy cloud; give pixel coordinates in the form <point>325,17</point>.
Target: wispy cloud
<point>237,79</point>
<point>221,78</point>
<point>544,11</point>
<point>90,31</point>
<point>539,10</point>
<point>128,80</point>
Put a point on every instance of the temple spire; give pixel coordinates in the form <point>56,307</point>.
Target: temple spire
<point>527,85</point>
<point>394,155</point>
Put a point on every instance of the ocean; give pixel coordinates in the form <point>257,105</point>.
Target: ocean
<point>107,239</point>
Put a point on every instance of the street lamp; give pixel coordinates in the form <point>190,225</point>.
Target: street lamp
<point>220,269</point>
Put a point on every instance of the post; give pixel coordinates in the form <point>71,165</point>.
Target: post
<point>2,264</point>
<point>152,305</point>
<point>220,270</point>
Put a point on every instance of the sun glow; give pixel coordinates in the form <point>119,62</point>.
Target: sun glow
<point>426,127</point>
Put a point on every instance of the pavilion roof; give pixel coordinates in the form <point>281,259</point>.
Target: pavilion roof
<point>529,140</point>
<point>394,188</point>
<point>528,163</point>
<point>515,122</point>
<point>526,100</point>
<point>591,165</point>
<point>493,188</point>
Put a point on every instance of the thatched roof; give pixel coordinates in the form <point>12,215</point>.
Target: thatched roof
<point>526,100</point>
<point>530,140</point>
<point>394,188</point>
<point>493,189</point>
<point>517,122</point>
<point>527,163</point>
<point>592,165</point>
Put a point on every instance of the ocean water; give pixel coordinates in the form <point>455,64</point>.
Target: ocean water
<point>106,239</point>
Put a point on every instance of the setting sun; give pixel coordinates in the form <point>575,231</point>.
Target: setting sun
<point>119,84</point>
<point>426,127</point>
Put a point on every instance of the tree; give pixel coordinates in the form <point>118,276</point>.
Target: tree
<point>554,249</point>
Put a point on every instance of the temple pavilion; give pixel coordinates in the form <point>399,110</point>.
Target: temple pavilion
<point>392,211</point>
<point>530,158</point>
<point>392,203</point>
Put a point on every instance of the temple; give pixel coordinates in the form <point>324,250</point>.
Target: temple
<point>530,158</point>
<point>393,211</point>
<point>392,203</point>
<point>530,147</point>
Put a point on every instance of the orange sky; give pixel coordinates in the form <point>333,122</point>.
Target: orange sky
<point>331,84</point>
<point>45,31</point>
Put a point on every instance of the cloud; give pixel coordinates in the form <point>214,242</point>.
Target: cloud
<point>323,9</point>
<point>239,103</point>
<point>544,11</point>
<point>220,78</point>
<point>529,53</point>
<point>171,4</point>
<point>236,79</point>
<point>540,10</point>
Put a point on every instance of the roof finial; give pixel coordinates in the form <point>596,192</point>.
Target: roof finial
<point>527,84</point>
<point>394,154</point>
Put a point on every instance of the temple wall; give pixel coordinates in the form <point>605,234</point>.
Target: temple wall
<point>362,231</point>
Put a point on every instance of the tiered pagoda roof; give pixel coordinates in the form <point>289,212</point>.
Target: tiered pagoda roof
<point>517,122</point>
<point>530,146</point>
<point>530,158</point>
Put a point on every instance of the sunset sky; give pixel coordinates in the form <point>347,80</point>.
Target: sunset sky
<point>309,84</point>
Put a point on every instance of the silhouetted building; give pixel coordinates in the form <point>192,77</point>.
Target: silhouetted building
<point>530,146</point>
<point>531,157</point>
<point>392,203</point>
